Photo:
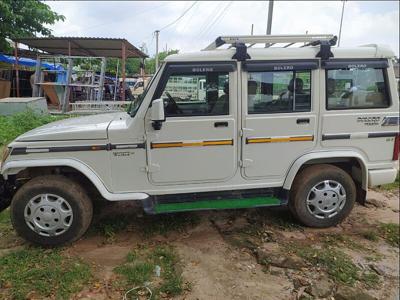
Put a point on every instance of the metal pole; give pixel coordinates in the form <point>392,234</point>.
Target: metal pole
<point>65,100</point>
<point>16,67</point>
<point>101,81</point>
<point>341,22</point>
<point>116,81</point>
<point>252,29</point>
<point>123,71</point>
<point>157,32</point>
<point>269,24</point>
<point>69,48</point>
<point>36,82</point>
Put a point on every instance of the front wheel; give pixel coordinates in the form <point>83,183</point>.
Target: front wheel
<point>322,196</point>
<point>51,210</point>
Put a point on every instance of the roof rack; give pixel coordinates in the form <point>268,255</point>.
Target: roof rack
<point>269,40</point>
<point>239,42</point>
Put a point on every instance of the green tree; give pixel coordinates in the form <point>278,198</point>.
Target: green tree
<point>132,66</point>
<point>150,63</point>
<point>22,18</point>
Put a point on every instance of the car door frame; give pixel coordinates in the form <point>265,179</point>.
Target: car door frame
<point>196,67</point>
<point>279,65</point>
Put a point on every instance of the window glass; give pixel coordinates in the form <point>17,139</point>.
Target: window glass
<point>197,94</point>
<point>279,91</point>
<point>356,88</point>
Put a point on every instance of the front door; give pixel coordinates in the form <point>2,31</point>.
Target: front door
<point>197,142</point>
<point>279,117</point>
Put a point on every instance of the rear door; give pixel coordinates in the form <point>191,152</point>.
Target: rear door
<point>198,140</point>
<point>279,116</point>
<point>361,110</point>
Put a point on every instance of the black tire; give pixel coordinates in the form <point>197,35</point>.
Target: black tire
<point>310,177</point>
<point>61,186</point>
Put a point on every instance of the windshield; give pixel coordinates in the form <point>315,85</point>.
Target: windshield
<point>135,104</point>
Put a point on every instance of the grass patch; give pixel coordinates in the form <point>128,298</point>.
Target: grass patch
<point>338,265</point>
<point>345,240</point>
<point>370,279</point>
<point>370,235</point>
<point>140,270</point>
<point>167,223</point>
<point>15,125</point>
<point>390,232</point>
<point>7,233</point>
<point>110,226</point>
<point>5,223</point>
<point>278,218</point>
<point>148,225</point>
<point>46,273</point>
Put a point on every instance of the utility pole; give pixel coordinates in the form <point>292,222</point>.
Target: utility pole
<point>269,24</point>
<point>157,32</point>
<point>341,22</point>
<point>252,29</point>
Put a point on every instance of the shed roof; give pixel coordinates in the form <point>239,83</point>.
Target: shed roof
<point>82,46</point>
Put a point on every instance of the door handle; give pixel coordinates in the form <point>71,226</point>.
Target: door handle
<point>221,124</point>
<point>303,121</point>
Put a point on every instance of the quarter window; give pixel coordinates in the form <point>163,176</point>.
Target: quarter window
<point>279,92</point>
<point>197,94</point>
<point>355,88</point>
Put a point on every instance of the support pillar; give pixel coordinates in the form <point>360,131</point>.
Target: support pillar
<point>123,66</point>
<point>16,68</point>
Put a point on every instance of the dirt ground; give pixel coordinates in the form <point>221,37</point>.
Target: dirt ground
<point>252,254</point>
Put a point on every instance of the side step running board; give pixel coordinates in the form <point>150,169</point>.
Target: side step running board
<point>191,202</point>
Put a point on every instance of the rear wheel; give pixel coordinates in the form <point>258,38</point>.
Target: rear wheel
<point>322,196</point>
<point>51,210</point>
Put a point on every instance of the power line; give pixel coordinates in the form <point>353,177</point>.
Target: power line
<point>209,18</point>
<point>180,17</point>
<point>218,18</point>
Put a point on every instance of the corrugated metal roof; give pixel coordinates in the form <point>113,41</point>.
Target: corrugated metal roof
<point>82,46</point>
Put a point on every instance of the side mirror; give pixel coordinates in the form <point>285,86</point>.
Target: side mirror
<point>157,113</point>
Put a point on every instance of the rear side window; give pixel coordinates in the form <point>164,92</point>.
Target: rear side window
<point>279,91</point>
<point>356,88</point>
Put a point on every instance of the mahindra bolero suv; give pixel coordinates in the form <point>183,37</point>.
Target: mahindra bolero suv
<point>232,126</point>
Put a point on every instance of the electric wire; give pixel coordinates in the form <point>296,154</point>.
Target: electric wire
<point>218,18</point>
<point>180,17</point>
<point>210,18</point>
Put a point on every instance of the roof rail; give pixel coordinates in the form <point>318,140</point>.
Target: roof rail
<point>268,40</point>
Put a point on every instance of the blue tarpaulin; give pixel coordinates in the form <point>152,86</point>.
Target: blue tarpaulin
<point>28,62</point>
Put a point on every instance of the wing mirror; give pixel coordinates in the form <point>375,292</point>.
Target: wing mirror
<point>157,113</point>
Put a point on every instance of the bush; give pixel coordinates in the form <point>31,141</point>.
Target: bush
<point>15,125</point>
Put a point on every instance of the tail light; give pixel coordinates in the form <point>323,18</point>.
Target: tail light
<point>396,148</point>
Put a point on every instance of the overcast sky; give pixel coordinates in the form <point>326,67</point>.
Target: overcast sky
<point>364,22</point>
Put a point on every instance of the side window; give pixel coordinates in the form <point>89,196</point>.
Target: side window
<point>279,92</point>
<point>197,94</point>
<point>356,88</point>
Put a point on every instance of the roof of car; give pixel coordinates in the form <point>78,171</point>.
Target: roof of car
<point>277,53</point>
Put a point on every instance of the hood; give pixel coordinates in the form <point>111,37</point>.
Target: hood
<point>83,128</point>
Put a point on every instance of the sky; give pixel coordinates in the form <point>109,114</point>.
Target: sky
<point>364,22</point>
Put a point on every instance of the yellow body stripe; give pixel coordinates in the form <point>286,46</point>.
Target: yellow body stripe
<point>280,140</point>
<point>191,144</point>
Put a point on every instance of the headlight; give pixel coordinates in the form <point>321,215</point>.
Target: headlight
<point>6,152</point>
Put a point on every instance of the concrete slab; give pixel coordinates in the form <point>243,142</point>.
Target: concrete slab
<point>11,105</point>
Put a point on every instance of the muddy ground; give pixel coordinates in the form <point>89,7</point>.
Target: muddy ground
<point>249,254</point>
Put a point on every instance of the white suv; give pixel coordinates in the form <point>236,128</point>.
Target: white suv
<point>311,127</point>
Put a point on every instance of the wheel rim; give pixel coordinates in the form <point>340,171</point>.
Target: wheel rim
<point>326,199</point>
<point>48,215</point>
